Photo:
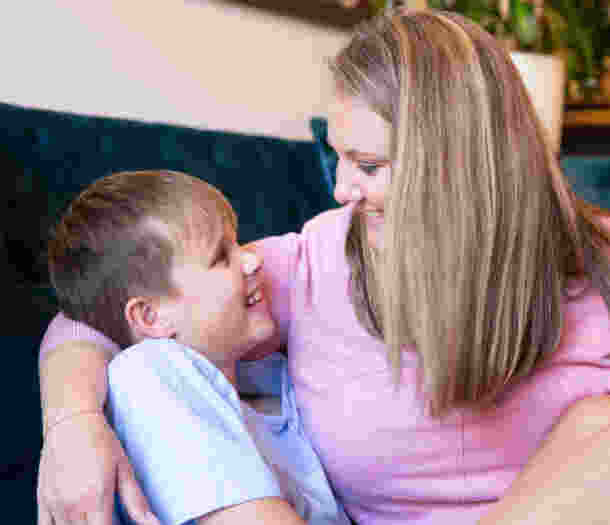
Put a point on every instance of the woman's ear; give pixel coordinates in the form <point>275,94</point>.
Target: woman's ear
<point>148,318</point>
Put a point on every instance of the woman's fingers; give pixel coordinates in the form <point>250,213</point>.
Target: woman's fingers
<point>101,516</point>
<point>78,472</point>
<point>101,513</point>
<point>132,496</point>
<point>81,518</point>
<point>44,516</point>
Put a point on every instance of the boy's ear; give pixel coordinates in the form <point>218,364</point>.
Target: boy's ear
<point>148,318</point>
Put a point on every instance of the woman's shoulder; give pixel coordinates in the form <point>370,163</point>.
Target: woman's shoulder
<point>325,231</point>
<point>330,226</point>
<point>333,219</point>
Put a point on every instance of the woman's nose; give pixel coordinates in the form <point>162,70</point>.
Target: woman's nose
<point>347,188</point>
<point>250,261</point>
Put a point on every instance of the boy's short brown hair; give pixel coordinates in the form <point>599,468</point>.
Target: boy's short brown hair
<point>118,239</point>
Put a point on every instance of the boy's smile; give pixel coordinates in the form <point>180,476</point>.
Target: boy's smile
<point>219,308</point>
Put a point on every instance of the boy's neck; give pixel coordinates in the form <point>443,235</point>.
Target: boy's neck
<point>227,368</point>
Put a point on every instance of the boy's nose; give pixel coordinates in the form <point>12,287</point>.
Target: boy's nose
<point>250,261</point>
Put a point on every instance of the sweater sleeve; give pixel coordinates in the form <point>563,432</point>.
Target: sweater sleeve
<point>62,329</point>
<point>280,256</point>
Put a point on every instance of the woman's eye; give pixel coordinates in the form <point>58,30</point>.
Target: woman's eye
<point>368,167</point>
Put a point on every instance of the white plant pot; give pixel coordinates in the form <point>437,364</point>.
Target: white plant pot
<point>544,77</point>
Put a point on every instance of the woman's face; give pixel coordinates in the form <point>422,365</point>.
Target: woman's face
<point>361,139</point>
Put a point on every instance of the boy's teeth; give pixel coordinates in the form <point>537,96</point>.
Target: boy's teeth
<point>255,297</point>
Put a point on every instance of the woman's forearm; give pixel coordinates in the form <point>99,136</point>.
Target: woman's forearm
<point>567,479</point>
<point>72,380</point>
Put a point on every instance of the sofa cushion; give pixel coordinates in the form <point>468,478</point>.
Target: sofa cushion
<point>590,177</point>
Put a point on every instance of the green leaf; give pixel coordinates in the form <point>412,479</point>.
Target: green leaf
<point>377,5</point>
<point>525,23</point>
<point>557,27</point>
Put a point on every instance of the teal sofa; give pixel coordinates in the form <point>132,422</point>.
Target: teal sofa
<point>46,157</point>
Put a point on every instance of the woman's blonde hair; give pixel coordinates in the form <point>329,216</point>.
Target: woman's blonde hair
<point>482,231</point>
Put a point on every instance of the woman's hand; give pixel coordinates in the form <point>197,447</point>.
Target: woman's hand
<point>567,479</point>
<point>81,466</point>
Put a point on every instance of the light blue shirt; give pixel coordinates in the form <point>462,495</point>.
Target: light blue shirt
<point>196,448</point>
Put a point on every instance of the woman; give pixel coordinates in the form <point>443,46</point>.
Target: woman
<point>438,325</point>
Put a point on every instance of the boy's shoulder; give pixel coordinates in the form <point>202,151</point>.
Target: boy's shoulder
<point>156,367</point>
<point>166,400</point>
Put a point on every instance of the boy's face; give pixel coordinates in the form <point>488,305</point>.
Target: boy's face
<point>220,309</point>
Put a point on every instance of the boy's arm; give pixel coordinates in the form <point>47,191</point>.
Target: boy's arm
<point>186,432</point>
<point>82,463</point>
<point>267,511</point>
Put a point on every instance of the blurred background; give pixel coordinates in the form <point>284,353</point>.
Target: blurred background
<point>562,48</point>
<point>259,65</point>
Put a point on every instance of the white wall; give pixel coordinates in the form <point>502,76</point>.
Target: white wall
<point>200,63</point>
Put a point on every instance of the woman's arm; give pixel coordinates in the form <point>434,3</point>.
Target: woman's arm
<point>267,511</point>
<point>568,479</point>
<point>72,381</point>
<point>82,463</point>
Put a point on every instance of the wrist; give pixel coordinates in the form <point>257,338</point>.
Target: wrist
<point>72,379</point>
<point>50,425</point>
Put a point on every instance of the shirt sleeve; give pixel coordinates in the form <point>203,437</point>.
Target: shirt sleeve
<point>259,372</point>
<point>186,441</point>
<point>280,258</point>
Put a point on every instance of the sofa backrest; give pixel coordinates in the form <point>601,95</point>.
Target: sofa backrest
<point>275,185</point>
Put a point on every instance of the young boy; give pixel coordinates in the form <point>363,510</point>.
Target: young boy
<point>151,260</point>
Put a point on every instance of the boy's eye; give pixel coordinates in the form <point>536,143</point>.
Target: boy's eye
<point>221,257</point>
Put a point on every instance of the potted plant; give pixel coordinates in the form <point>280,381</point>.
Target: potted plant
<point>586,48</point>
<point>576,30</point>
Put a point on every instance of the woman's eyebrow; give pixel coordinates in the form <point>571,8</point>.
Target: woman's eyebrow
<point>354,153</point>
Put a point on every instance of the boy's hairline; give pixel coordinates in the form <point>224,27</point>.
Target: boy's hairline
<point>181,231</point>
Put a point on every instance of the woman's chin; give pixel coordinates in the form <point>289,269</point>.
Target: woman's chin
<point>375,240</point>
